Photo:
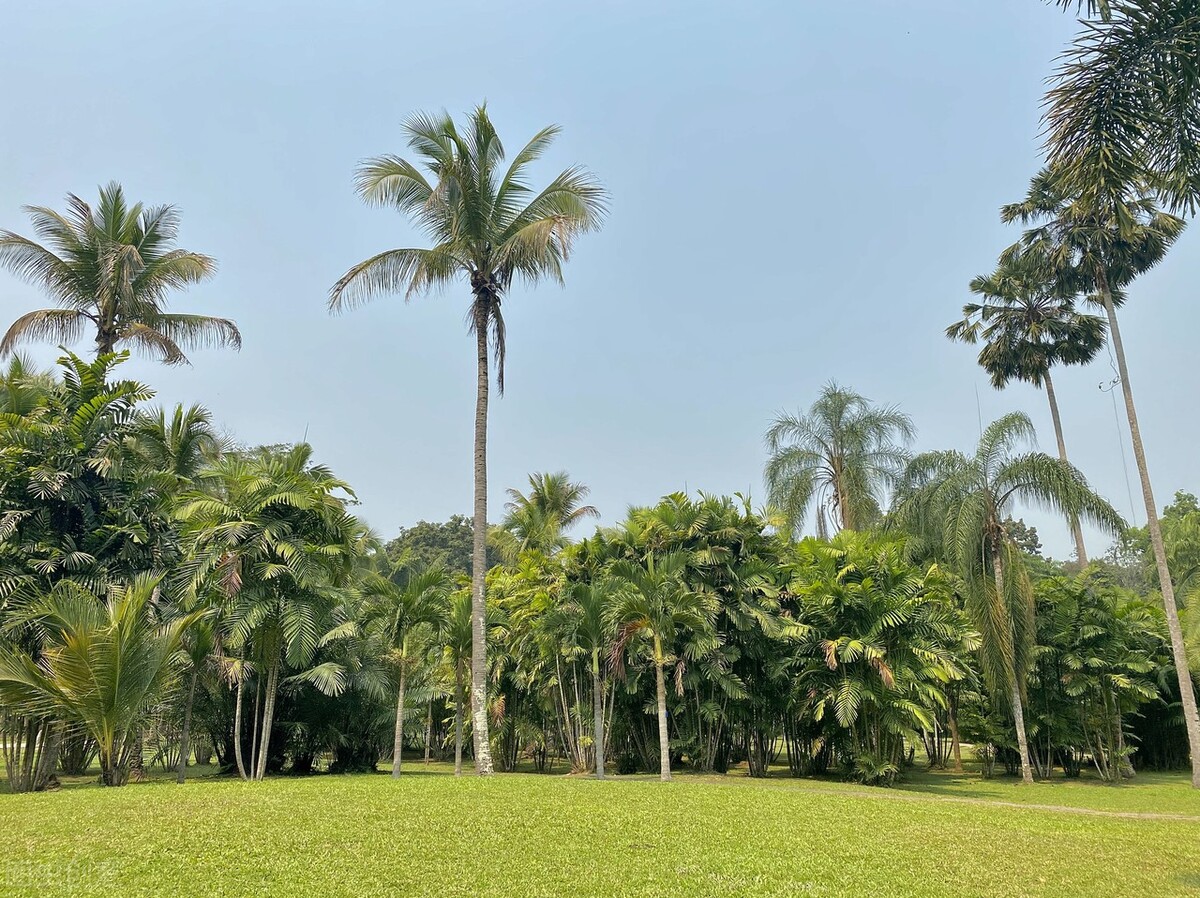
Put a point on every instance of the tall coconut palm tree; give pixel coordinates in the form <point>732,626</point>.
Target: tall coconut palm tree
<point>1027,327</point>
<point>400,612</point>
<point>843,454</point>
<point>488,227</point>
<point>111,269</point>
<point>649,613</point>
<point>540,519</point>
<point>1104,252</point>
<point>961,502</point>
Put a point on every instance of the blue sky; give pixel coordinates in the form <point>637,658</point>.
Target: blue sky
<point>800,192</point>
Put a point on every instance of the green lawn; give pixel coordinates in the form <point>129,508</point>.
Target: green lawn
<point>526,835</point>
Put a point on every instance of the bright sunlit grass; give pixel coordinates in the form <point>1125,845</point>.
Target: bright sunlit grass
<point>524,835</point>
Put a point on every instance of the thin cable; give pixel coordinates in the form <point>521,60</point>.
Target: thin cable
<point>1110,389</point>
<point>978,411</point>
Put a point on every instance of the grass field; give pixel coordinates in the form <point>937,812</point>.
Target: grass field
<point>524,835</point>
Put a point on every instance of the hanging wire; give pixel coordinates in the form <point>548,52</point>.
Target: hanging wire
<point>978,411</point>
<point>1110,388</point>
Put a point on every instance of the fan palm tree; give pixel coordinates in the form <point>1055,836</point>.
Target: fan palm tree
<point>111,269</point>
<point>962,502</point>
<point>1027,327</point>
<point>653,609</point>
<point>400,612</point>
<point>1099,252</point>
<point>488,227</point>
<point>104,663</point>
<point>843,454</point>
<point>540,519</point>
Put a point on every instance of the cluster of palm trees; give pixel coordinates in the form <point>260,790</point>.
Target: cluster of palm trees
<point>847,455</point>
<point>698,632</point>
<point>138,548</point>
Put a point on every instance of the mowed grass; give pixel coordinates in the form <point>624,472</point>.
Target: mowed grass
<point>429,834</point>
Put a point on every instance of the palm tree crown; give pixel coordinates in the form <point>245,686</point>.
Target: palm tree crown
<point>111,268</point>
<point>487,225</point>
<point>844,453</point>
<point>539,520</point>
<point>1124,105</point>
<point>1026,324</point>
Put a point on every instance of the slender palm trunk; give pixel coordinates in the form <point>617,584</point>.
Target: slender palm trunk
<point>660,685</point>
<point>598,713</point>
<point>458,718</point>
<point>1018,707</point>
<point>1187,696</point>
<point>1076,530</point>
<point>255,726</point>
<point>479,721</point>
<point>398,742</point>
<point>268,718</point>
<point>842,497</point>
<point>237,727</point>
<point>955,743</point>
<point>185,747</point>
<point>428,730</point>
<point>50,753</point>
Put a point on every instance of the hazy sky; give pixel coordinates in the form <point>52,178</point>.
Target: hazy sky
<point>800,192</point>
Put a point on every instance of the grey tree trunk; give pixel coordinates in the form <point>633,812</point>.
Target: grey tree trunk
<point>479,721</point>
<point>49,760</point>
<point>398,743</point>
<point>458,719</point>
<point>1018,707</point>
<point>1076,530</point>
<point>237,727</point>
<point>185,747</point>
<point>428,730</point>
<point>268,718</point>
<point>256,726</point>
<point>1178,651</point>
<point>955,742</point>
<point>664,742</point>
<point>598,713</point>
